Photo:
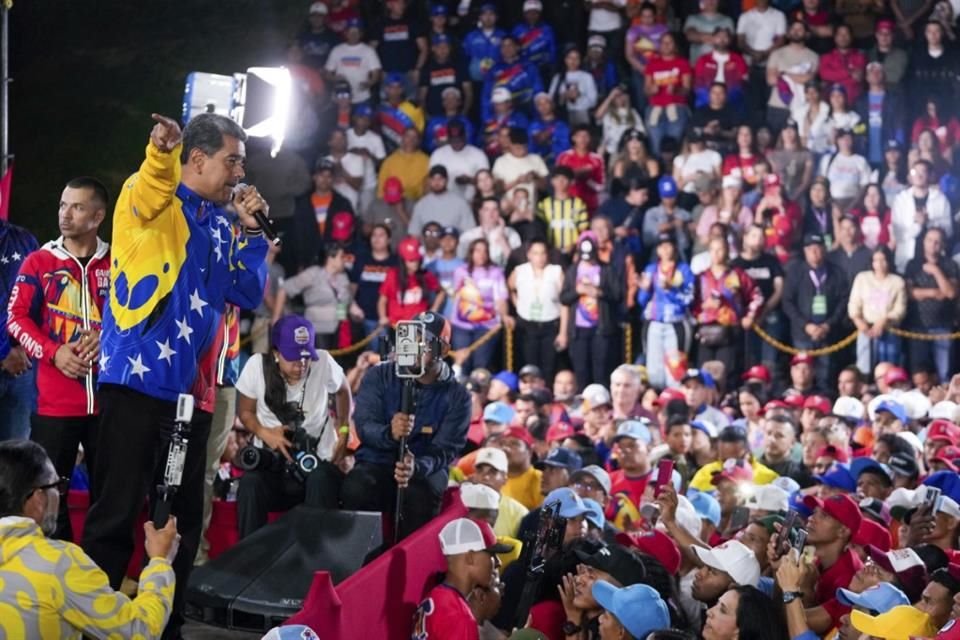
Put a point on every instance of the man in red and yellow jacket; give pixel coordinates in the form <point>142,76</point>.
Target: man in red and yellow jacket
<point>54,312</point>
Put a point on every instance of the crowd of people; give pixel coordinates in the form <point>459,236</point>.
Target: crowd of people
<point>608,217</point>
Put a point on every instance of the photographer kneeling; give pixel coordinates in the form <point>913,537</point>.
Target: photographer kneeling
<point>283,401</point>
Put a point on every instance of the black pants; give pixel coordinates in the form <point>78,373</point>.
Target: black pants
<point>131,449</point>
<point>729,354</point>
<point>261,492</point>
<point>591,353</point>
<point>371,487</point>
<point>61,437</point>
<point>536,345</point>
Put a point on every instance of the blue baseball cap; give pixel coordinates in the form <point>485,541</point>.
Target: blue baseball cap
<point>838,476</point>
<point>859,465</point>
<point>291,632</point>
<point>364,110</point>
<point>438,10</point>
<point>488,6</point>
<point>571,505</point>
<point>706,427</point>
<point>394,77</point>
<point>439,38</point>
<point>564,458</point>
<point>667,187</point>
<point>894,408</point>
<point>355,22</point>
<point>877,599</point>
<point>636,429</point>
<point>294,337</point>
<point>499,412</point>
<point>947,481</point>
<point>639,608</point>
<point>595,517</point>
<point>508,378</point>
<point>705,505</point>
<point>796,504</point>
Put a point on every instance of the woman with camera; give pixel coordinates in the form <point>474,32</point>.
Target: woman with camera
<point>300,447</point>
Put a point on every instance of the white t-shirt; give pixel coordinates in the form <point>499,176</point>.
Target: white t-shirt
<point>354,62</point>
<point>509,167</point>
<point>707,161</point>
<point>847,174</point>
<point>356,166</point>
<point>325,377</point>
<point>604,20</point>
<point>465,162</point>
<point>761,28</point>
<point>370,141</point>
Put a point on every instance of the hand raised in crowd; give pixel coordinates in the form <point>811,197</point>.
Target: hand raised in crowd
<point>773,553</point>
<point>922,524</point>
<point>795,574</point>
<point>166,134</point>
<point>401,426</point>
<point>276,439</point>
<point>16,361</point>
<point>667,501</point>
<point>69,363</point>
<point>162,543</point>
<point>247,201</point>
<point>403,471</point>
<point>567,589</point>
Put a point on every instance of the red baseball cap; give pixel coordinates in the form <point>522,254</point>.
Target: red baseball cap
<point>409,248</point>
<point>736,471</point>
<point>830,451</point>
<point>520,433</point>
<point>946,455</point>
<point>669,394</point>
<point>818,403</point>
<point>943,430</point>
<point>757,372</point>
<point>841,508</point>
<point>560,431</point>
<point>895,375</point>
<point>873,533</point>
<point>795,401</point>
<point>655,543</point>
<point>775,404</point>
<point>801,358</point>
<point>885,25</point>
<point>771,180</point>
<point>341,226</point>
<point>392,190</point>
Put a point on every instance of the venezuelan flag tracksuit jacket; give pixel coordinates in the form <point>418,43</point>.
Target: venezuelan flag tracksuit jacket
<point>176,264</point>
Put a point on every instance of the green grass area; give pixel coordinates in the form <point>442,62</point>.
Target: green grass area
<point>87,76</point>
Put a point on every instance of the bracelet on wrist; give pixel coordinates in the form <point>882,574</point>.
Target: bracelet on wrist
<point>344,429</point>
<point>253,231</point>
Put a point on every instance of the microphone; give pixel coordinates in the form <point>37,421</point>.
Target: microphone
<point>265,225</point>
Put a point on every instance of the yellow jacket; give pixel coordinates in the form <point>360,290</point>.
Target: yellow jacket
<point>51,589</point>
<point>703,479</point>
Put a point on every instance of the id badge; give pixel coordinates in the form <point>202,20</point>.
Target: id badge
<point>819,306</point>
<point>341,311</point>
<point>536,311</point>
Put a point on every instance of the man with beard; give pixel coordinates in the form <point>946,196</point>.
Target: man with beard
<point>789,68</point>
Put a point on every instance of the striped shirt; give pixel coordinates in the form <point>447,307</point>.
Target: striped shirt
<point>565,220</point>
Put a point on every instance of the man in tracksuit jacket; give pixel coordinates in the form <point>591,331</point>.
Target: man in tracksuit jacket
<point>55,313</point>
<point>175,265</point>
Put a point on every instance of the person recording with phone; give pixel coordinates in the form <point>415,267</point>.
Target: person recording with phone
<point>283,399</point>
<point>435,433</point>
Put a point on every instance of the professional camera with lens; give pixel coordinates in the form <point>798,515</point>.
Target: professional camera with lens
<point>302,447</point>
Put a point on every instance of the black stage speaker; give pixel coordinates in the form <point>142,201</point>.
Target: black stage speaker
<point>262,581</point>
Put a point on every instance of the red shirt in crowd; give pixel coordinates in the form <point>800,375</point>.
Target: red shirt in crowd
<point>742,166</point>
<point>445,615</point>
<point>632,488</point>
<point>726,299</point>
<point>735,73</point>
<point>841,67</point>
<point>874,227</point>
<point>413,300</point>
<point>588,186</point>
<point>947,132</point>
<point>780,228</point>
<point>836,577</point>
<point>668,74</point>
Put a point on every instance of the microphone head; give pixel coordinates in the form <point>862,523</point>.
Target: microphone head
<point>237,189</point>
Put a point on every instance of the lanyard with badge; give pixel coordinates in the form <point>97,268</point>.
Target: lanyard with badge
<point>818,306</point>
<point>822,218</point>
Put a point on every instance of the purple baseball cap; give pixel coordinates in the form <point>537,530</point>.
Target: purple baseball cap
<point>294,338</point>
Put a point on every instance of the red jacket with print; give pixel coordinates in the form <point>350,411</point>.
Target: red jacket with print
<point>54,298</point>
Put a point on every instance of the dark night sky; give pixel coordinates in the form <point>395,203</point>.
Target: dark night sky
<point>87,75</point>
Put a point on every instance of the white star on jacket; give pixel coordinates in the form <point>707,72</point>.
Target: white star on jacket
<point>183,329</point>
<point>138,367</point>
<point>16,256</point>
<point>219,241</point>
<point>165,351</point>
<point>197,303</point>
<point>104,358</point>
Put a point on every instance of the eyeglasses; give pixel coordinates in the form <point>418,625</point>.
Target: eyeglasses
<point>61,485</point>
<point>432,233</point>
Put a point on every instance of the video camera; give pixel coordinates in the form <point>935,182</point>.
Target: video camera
<point>302,447</point>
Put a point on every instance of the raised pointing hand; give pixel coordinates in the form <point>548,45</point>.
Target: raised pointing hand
<point>166,133</point>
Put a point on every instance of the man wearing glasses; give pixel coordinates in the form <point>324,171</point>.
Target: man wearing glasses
<point>38,599</point>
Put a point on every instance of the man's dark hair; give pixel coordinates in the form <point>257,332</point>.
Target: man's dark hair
<point>99,191</point>
<point>895,444</point>
<point>676,421</point>
<point>854,370</point>
<point>678,408</point>
<point>206,132</point>
<point>784,419</point>
<point>944,577</point>
<point>22,465</point>
<point>519,136</point>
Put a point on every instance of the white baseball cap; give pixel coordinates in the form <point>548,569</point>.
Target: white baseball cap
<point>731,182</point>
<point>319,8</point>
<point>768,497</point>
<point>916,404</point>
<point>501,94</point>
<point>945,410</point>
<point>533,5</point>
<point>479,496</point>
<point>464,535</point>
<point>911,438</point>
<point>849,407</point>
<point>496,458</point>
<point>595,395</point>
<point>733,557</point>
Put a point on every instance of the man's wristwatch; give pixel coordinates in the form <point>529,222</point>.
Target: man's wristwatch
<point>790,596</point>
<point>571,629</point>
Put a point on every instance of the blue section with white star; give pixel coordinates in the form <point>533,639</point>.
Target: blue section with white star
<point>16,244</point>
<point>162,355</point>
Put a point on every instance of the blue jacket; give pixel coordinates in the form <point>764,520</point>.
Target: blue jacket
<point>538,45</point>
<point>558,134</point>
<point>522,79</point>
<point>176,264</point>
<point>439,432</point>
<point>669,303</point>
<point>16,243</point>
<point>435,135</point>
<point>482,52</point>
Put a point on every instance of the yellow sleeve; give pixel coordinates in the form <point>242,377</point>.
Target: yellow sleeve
<point>90,605</point>
<point>703,478</point>
<point>385,172</point>
<point>763,474</point>
<point>152,188</point>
